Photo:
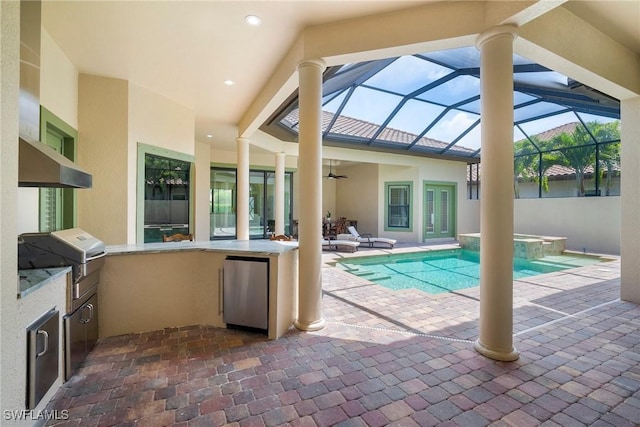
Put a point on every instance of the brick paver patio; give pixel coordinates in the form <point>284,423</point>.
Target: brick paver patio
<point>400,358</point>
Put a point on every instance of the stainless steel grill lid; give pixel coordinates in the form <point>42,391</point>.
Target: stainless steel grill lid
<point>57,249</point>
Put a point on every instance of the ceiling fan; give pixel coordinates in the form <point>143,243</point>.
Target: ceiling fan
<point>331,175</point>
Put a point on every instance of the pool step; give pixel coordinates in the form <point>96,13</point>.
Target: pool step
<point>379,278</point>
<point>360,273</point>
<point>369,275</point>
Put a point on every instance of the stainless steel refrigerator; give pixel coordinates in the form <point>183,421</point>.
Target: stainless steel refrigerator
<point>246,292</point>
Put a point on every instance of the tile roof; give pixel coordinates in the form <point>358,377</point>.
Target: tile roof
<point>551,133</point>
<point>363,130</point>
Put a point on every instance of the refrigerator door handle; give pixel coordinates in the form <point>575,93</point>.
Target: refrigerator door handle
<point>220,290</point>
<point>46,342</point>
<point>90,307</point>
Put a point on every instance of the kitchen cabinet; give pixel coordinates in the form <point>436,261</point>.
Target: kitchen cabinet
<point>81,334</point>
<point>154,286</point>
<point>43,356</point>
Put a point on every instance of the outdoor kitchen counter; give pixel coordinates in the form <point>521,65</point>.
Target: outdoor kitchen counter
<point>229,247</point>
<point>154,286</point>
<point>32,280</point>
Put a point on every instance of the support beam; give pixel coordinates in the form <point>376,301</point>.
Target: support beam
<point>496,210</point>
<point>279,196</point>
<point>242,196</point>
<point>630,202</point>
<point>310,225</point>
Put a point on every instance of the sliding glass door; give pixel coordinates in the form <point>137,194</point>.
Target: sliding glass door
<point>261,203</point>
<point>223,204</point>
<point>260,211</point>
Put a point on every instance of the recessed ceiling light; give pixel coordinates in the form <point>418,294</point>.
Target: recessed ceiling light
<point>209,136</point>
<point>229,82</point>
<point>253,20</point>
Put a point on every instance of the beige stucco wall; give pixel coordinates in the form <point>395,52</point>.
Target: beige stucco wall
<point>145,292</point>
<point>58,81</point>
<point>159,121</point>
<point>103,150</point>
<point>468,215</point>
<point>630,202</point>
<point>357,196</point>
<point>200,202</point>
<point>589,223</point>
<point>567,188</point>
<point>12,384</point>
<point>257,158</point>
<point>15,314</point>
<point>27,204</point>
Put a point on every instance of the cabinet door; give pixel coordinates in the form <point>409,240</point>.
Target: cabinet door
<point>75,346</point>
<point>81,335</point>
<point>91,319</point>
<point>246,287</point>
<point>43,353</point>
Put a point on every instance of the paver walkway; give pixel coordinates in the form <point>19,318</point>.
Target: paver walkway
<point>401,358</point>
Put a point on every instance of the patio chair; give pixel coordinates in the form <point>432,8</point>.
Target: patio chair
<point>177,237</point>
<point>281,237</point>
<point>331,243</point>
<point>366,238</point>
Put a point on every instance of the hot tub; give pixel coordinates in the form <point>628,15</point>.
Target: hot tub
<point>525,246</point>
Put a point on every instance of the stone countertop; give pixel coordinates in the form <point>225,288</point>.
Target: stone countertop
<point>31,280</point>
<point>232,247</point>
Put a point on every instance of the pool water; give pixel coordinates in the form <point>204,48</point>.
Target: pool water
<point>436,272</point>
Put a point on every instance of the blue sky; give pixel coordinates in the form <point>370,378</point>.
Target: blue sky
<point>407,74</point>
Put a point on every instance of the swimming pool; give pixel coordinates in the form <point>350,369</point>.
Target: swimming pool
<point>436,272</point>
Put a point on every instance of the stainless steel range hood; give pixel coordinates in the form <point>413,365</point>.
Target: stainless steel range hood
<point>39,165</point>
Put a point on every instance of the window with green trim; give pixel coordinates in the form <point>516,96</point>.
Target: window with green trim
<point>57,205</point>
<point>166,197</point>
<point>398,206</point>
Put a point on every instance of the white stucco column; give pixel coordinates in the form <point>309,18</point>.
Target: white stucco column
<point>496,201</point>
<point>279,196</point>
<point>630,201</point>
<point>242,196</point>
<point>310,223</point>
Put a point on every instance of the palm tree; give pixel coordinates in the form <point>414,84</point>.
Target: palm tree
<point>531,161</point>
<point>577,151</point>
<point>609,153</point>
<point>610,156</point>
<point>524,163</point>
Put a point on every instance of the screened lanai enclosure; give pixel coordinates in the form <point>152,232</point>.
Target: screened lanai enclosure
<point>566,135</point>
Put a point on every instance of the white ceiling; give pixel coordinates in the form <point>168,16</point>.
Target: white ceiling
<point>185,50</point>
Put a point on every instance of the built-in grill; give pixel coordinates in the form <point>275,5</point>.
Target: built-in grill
<point>85,254</point>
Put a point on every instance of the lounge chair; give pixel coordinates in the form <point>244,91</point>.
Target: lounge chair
<point>333,244</point>
<point>366,238</point>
